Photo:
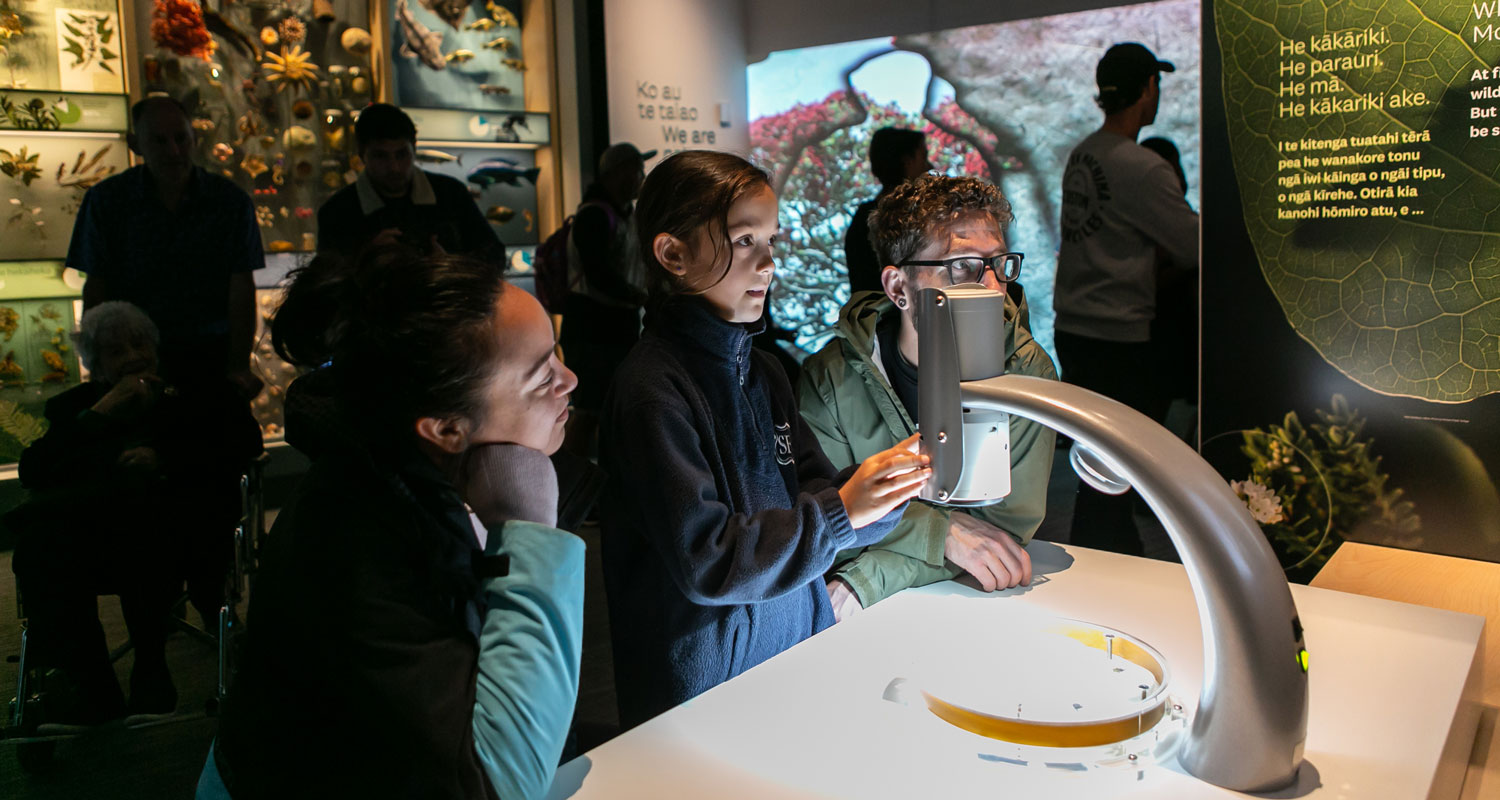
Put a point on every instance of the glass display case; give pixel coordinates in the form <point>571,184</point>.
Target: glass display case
<point>63,116</point>
<point>273,88</point>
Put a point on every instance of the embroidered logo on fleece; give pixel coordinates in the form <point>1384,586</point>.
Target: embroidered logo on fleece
<point>784,444</point>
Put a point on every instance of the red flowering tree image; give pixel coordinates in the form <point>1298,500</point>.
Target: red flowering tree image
<point>817,154</point>
<point>1006,102</point>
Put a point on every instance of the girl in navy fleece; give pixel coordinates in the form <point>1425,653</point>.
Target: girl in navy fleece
<point>722,513</point>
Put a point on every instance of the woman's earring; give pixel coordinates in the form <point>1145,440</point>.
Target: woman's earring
<point>901,302</point>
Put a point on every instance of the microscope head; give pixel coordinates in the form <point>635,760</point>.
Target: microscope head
<point>961,337</point>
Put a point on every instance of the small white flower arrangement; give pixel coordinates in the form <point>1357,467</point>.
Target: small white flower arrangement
<point>1263,503</point>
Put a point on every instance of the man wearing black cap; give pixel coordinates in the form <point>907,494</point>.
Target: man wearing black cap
<point>1123,214</point>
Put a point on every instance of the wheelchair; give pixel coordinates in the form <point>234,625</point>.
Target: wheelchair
<point>25,723</point>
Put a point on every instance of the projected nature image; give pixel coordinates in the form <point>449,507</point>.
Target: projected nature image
<point>1005,102</point>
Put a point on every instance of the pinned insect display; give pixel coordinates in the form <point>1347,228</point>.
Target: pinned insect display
<point>498,43</point>
<point>514,63</point>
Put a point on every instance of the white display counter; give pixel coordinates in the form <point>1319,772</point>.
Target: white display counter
<point>1393,692</point>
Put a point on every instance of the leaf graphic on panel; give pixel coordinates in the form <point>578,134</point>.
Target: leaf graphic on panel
<point>1369,199</point>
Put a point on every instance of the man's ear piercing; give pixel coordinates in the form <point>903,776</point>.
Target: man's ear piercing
<point>901,302</point>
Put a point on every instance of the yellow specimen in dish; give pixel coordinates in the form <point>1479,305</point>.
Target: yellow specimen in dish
<point>292,67</point>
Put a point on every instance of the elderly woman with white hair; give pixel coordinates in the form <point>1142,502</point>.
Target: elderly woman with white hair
<point>127,490</point>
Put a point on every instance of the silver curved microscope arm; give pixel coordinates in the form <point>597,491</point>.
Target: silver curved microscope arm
<point>1251,722</point>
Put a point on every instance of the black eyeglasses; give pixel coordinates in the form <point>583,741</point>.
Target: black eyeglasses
<point>970,269</point>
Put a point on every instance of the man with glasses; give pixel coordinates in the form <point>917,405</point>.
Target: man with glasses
<point>859,393</point>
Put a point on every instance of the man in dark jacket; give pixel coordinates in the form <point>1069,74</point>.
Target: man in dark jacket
<point>394,202</point>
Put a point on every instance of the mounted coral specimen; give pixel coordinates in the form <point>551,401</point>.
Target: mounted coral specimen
<point>178,26</point>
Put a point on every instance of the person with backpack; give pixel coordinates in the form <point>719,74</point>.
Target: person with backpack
<point>602,307</point>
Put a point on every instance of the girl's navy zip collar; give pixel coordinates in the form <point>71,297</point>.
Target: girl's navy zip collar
<point>690,322</point>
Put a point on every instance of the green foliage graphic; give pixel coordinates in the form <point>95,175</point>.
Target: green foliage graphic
<point>1329,483</point>
<point>1407,305</point>
<point>21,426</point>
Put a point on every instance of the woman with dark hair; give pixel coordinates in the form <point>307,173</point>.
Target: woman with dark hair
<point>722,514</point>
<point>416,624</point>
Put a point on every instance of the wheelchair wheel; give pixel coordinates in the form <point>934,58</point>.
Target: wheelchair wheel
<point>35,757</point>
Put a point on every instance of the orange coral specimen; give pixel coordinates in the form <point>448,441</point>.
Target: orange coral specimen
<point>178,26</point>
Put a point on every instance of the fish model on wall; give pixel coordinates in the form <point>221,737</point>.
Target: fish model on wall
<point>449,11</point>
<point>419,42</point>
<point>501,170</point>
<point>501,15</point>
<point>436,157</point>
